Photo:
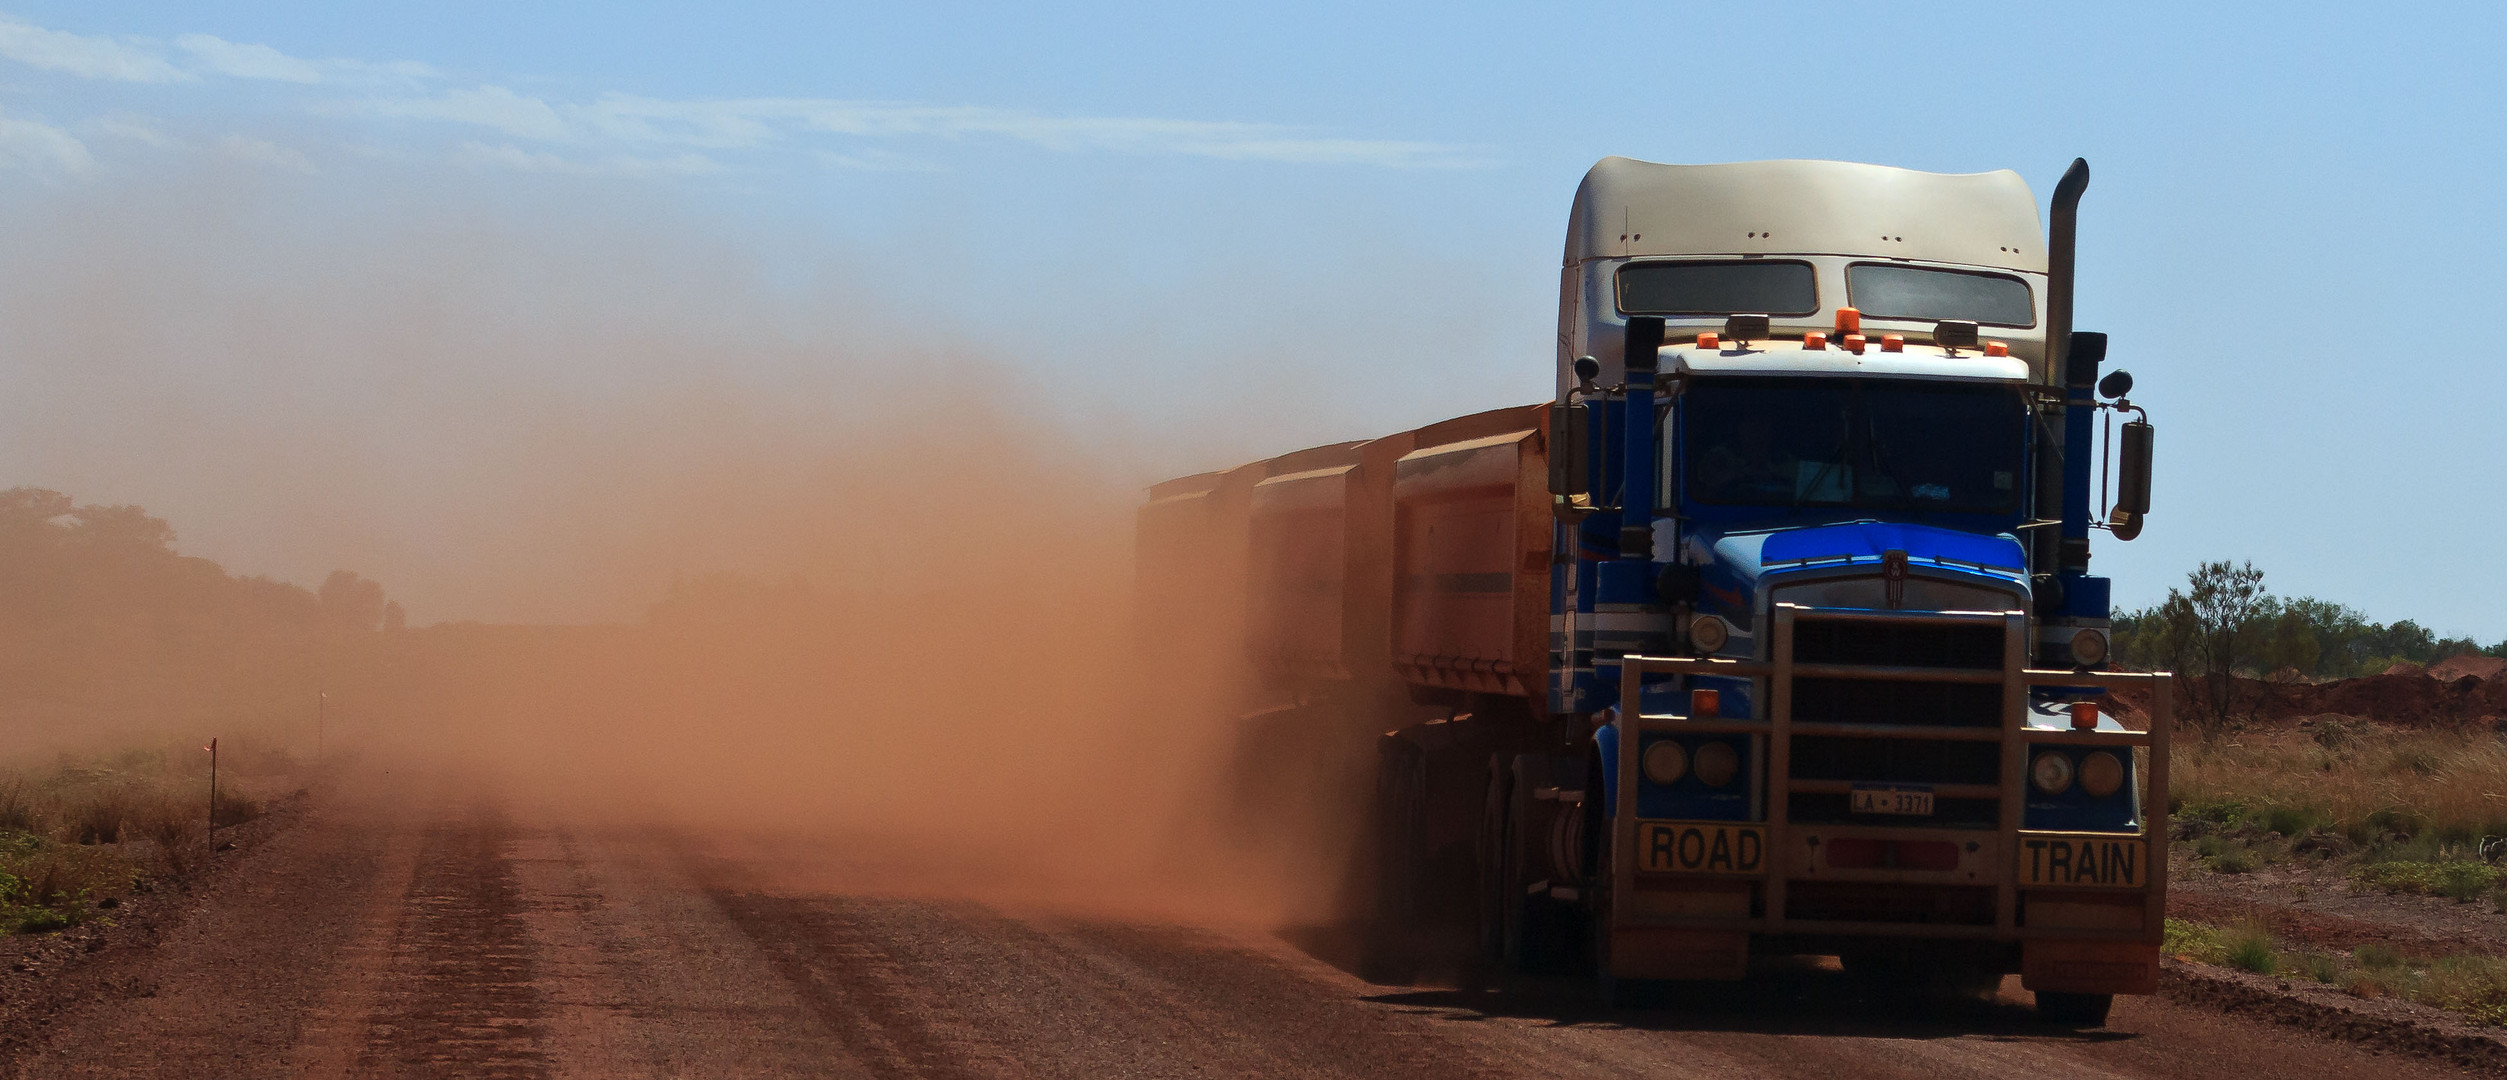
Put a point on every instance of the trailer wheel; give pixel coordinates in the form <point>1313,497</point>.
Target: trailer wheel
<point>1391,953</point>
<point>2074,1010</point>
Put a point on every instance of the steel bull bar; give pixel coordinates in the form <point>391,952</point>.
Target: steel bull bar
<point>2074,931</point>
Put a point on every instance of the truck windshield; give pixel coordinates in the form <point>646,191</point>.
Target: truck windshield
<point>1869,443</point>
<point>1884,291</point>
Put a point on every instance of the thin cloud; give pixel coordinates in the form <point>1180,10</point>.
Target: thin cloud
<point>487,106</point>
<point>263,153</point>
<point>874,159</point>
<point>83,56</point>
<point>243,61</point>
<point>628,134</point>
<point>509,156</point>
<point>753,123</point>
<point>136,129</point>
<point>30,144</point>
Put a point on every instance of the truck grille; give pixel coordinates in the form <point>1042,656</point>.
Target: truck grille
<point>1899,703</point>
<point>1856,701</point>
<point>1843,641</point>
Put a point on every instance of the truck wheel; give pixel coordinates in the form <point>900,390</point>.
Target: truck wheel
<point>1524,929</point>
<point>1499,896</point>
<point>2074,1010</point>
<point>1391,953</point>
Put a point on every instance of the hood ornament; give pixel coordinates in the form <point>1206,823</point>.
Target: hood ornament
<point>1893,576</point>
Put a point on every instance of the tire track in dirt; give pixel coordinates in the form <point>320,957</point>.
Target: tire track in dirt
<point>884,1015</point>
<point>460,999</point>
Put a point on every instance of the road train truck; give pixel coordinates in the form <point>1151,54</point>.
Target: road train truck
<point>1771,633</point>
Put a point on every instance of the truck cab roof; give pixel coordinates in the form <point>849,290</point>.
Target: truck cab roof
<point>1830,220</point>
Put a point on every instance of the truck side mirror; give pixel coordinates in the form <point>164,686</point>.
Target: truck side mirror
<point>2132,482</point>
<point>1570,439</point>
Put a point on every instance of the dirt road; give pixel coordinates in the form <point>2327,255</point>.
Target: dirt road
<point>459,937</point>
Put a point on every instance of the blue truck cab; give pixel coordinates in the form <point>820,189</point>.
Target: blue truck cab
<point>1821,450</point>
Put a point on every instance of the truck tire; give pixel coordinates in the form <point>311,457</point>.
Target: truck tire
<point>1390,955</point>
<point>1527,930</point>
<point>2074,1010</point>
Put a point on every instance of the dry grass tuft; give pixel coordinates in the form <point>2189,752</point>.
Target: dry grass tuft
<point>71,835</point>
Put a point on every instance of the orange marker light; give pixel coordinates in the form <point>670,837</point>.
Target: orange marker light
<point>1853,343</point>
<point>1814,341</point>
<point>2085,715</point>
<point>1892,343</point>
<point>1705,704</point>
<point>1997,348</point>
<point>1849,320</point>
<point>1708,341</point>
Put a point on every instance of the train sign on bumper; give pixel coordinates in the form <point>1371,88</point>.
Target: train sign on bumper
<point>1700,847</point>
<point>2111,862</point>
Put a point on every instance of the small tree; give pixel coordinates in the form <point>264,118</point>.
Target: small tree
<point>2228,606</point>
<point>2160,637</point>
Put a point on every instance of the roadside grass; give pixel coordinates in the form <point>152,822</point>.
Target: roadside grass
<point>2411,808</point>
<point>2472,986</point>
<point>2448,875</point>
<point>73,835</point>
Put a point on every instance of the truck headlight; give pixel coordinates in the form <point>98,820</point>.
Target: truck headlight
<point>2101,774</point>
<point>1707,634</point>
<point>1665,762</point>
<point>1716,764</point>
<point>2089,647</point>
<point>2051,772</point>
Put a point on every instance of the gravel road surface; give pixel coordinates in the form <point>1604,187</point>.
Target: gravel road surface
<point>461,937</point>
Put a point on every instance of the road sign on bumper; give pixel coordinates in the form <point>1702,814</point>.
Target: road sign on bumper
<point>2072,862</point>
<point>1700,847</point>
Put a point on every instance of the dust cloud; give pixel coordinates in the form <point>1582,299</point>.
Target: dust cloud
<point>733,553</point>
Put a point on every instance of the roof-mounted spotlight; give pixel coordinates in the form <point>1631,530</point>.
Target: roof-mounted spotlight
<point>2116,384</point>
<point>1954,334</point>
<point>1743,329</point>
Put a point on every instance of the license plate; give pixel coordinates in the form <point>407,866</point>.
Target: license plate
<point>2113,862</point>
<point>1700,847</point>
<point>1911,801</point>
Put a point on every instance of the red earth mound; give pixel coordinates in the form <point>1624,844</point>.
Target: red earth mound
<point>2452,692</point>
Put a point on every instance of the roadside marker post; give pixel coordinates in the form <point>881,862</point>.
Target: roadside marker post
<point>212,748</point>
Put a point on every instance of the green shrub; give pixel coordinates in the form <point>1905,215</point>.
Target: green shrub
<point>2394,822</point>
<point>2227,856</point>
<point>2191,940</point>
<point>2377,957</point>
<point>2464,883</point>
<point>2322,967</point>
<point>2294,820</point>
<point>2459,880</point>
<point>2475,986</point>
<point>2218,811</point>
<point>2250,948</point>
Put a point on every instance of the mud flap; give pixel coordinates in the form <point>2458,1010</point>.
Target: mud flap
<point>2089,967</point>
<point>1677,954</point>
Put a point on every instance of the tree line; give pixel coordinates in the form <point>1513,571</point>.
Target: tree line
<point>2226,621</point>
<point>101,619</point>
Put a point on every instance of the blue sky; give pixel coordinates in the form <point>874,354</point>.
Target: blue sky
<point>1224,233</point>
